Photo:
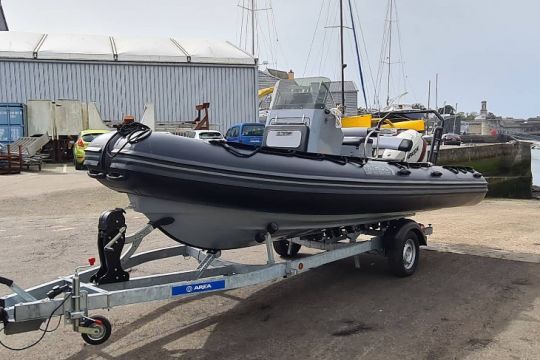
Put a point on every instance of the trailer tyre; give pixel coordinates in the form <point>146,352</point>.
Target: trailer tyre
<point>105,329</point>
<point>282,248</point>
<point>403,254</point>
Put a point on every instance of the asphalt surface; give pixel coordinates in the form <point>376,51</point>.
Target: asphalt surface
<point>456,306</point>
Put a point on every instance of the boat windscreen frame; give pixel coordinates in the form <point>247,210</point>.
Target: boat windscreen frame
<point>301,93</point>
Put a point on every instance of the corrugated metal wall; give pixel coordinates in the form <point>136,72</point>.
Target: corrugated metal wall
<point>121,88</point>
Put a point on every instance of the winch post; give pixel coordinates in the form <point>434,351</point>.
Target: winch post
<point>111,240</point>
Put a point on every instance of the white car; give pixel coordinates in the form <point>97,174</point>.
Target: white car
<point>204,135</point>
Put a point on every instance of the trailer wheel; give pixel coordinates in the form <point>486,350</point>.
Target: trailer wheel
<point>105,329</point>
<point>282,248</point>
<point>403,254</point>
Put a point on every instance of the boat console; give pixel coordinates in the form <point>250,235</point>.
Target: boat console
<point>300,119</point>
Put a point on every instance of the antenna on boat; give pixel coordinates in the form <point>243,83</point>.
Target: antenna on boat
<point>358,55</point>
<point>437,91</point>
<point>343,65</point>
<point>389,52</point>
<point>253,27</point>
<point>429,95</point>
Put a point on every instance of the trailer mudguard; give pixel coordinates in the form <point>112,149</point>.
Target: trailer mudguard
<point>399,228</point>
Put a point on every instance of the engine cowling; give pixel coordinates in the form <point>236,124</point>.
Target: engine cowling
<point>418,152</point>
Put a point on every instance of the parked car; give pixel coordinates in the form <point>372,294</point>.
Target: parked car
<point>246,133</point>
<point>85,137</point>
<point>451,139</point>
<point>204,135</point>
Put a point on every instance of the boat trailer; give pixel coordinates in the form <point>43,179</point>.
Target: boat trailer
<point>109,286</point>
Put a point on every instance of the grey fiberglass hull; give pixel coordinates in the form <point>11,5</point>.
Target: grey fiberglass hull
<point>206,227</point>
<point>223,198</point>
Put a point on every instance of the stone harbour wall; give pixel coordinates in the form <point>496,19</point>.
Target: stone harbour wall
<point>506,166</point>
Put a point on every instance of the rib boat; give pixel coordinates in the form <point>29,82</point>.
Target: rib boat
<point>223,196</point>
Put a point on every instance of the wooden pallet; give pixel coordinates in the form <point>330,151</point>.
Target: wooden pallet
<point>11,163</point>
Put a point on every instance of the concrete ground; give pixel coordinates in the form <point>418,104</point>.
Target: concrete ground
<point>476,294</point>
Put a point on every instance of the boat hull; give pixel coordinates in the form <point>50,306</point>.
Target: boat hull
<point>221,200</point>
<point>210,227</point>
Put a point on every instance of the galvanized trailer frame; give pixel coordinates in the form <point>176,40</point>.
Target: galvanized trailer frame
<point>26,310</point>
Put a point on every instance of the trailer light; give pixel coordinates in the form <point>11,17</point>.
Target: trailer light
<point>92,261</point>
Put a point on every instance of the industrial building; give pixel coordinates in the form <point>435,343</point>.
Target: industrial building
<point>123,74</point>
<point>487,123</point>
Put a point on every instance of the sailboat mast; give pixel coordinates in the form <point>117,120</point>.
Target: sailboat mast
<point>429,95</point>
<point>437,91</point>
<point>342,55</point>
<point>389,51</point>
<point>358,56</point>
<point>253,27</point>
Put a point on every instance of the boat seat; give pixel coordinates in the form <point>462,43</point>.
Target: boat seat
<point>356,132</point>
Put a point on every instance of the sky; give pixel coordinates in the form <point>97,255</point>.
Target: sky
<point>481,49</point>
